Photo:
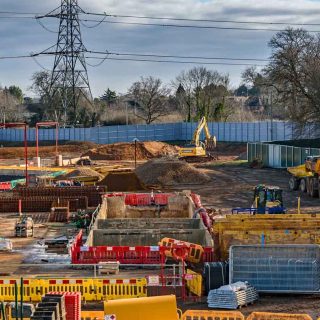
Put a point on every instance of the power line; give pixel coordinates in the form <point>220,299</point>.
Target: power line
<point>172,19</point>
<point>184,26</point>
<point>201,20</point>
<point>107,57</point>
<point>47,52</point>
<point>177,61</point>
<point>181,26</point>
<point>176,56</point>
<point>44,27</point>
<point>17,17</point>
<point>17,57</point>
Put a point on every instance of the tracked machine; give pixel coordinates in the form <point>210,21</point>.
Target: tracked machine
<point>197,150</point>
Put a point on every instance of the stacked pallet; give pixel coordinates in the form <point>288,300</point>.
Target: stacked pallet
<point>52,307</point>
<point>232,297</point>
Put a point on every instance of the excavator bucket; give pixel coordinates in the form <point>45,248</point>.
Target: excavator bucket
<point>211,143</point>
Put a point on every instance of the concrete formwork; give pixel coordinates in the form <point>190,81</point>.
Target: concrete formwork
<point>147,229</point>
<point>148,232</point>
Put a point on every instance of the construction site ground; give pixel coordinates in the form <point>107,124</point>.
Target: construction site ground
<point>230,185</point>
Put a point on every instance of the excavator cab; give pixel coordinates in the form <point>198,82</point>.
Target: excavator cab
<point>268,199</point>
<point>198,150</point>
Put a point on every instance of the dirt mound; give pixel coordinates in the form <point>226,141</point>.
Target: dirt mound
<point>83,172</point>
<point>168,172</point>
<point>122,181</point>
<point>126,151</point>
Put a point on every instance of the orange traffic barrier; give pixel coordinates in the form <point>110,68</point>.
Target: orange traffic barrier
<point>212,314</point>
<point>277,316</point>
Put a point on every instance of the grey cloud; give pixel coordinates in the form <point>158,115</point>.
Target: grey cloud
<point>20,36</point>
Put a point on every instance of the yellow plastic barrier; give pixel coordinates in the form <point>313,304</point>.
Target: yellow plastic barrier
<point>194,284</point>
<point>92,315</point>
<point>277,316</point>
<point>212,315</point>
<point>91,289</point>
<point>153,308</point>
<point>195,251</point>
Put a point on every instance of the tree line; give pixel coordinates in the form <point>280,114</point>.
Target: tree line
<point>288,88</point>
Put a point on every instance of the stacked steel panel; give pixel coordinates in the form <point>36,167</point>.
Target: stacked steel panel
<point>40,204</point>
<point>277,268</point>
<point>226,298</point>
<point>71,307</point>
<point>53,307</point>
<point>93,193</point>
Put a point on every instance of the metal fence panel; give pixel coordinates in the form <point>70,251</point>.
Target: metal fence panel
<point>224,131</point>
<point>279,156</point>
<point>277,268</point>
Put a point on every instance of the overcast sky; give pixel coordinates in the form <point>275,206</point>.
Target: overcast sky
<point>23,36</point>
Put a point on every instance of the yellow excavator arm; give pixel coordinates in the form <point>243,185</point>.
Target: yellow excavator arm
<point>211,142</point>
<point>198,148</point>
<point>196,135</point>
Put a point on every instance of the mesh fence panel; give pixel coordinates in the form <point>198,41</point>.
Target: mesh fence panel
<point>275,268</point>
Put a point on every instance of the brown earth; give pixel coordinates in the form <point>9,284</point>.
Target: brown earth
<point>169,172</point>
<point>230,185</point>
<point>73,149</point>
<point>81,172</point>
<point>122,181</point>
<point>126,151</point>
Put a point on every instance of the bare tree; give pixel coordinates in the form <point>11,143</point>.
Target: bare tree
<point>202,92</point>
<point>150,96</point>
<point>86,114</point>
<point>9,107</point>
<point>294,72</point>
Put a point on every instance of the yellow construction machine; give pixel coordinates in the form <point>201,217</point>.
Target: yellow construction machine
<point>198,150</point>
<point>306,177</point>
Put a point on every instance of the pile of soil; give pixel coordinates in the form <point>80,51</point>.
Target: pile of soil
<point>126,151</point>
<point>122,181</point>
<point>83,172</point>
<point>169,172</point>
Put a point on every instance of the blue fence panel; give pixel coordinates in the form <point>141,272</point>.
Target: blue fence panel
<point>224,131</point>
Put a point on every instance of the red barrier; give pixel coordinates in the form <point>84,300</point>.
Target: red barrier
<point>5,186</point>
<point>138,199</point>
<point>161,199</point>
<point>125,255</point>
<point>142,199</point>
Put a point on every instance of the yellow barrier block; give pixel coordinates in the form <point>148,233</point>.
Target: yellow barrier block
<point>91,289</point>
<point>277,316</point>
<point>246,229</point>
<point>212,314</point>
<point>195,283</point>
<point>153,308</point>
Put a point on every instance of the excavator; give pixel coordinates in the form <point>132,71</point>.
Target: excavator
<point>198,150</point>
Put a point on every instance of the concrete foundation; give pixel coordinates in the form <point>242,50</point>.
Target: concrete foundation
<point>120,225</point>
<point>148,232</point>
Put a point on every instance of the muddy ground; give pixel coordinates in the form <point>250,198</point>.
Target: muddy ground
<point>231,185</point>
